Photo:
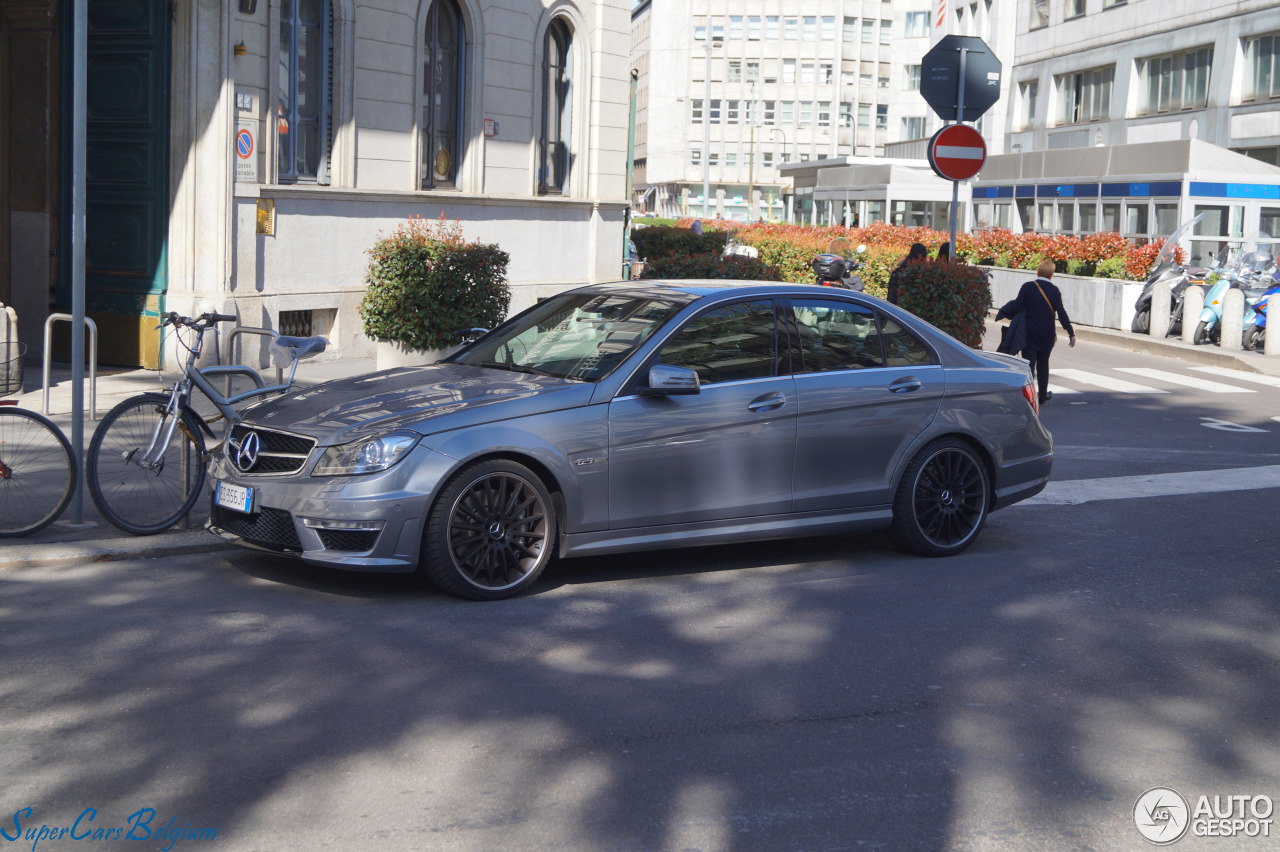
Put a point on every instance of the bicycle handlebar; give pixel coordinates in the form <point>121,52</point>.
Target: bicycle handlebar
<point>203,321</point>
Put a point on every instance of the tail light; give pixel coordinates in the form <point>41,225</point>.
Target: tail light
<point>1029,394</point>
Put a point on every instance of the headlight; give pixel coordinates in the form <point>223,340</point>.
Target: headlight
<point>368,455</point>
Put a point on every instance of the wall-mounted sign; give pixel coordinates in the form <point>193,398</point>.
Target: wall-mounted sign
<point>245,145</point>
<point>490,127</point>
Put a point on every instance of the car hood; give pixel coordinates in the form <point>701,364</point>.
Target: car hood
<point>426,400</point>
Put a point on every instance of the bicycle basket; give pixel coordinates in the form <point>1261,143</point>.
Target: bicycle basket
<point>11,355</point>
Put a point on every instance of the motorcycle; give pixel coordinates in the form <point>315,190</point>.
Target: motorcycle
<point>832,270</point>
<point>1166,268</point>
<point>1255,317</point>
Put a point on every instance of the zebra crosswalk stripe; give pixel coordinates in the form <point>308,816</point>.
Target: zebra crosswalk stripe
<point>1085,377</point>
<point>1240,375</point>
<point>1059,390</point>
<point>1186,381</point>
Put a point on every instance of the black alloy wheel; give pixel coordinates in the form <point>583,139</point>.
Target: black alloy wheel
<point>942,500</point>
<point>491,532</point>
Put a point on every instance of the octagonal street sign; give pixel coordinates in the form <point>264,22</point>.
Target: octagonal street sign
<point>957,152</point>
<point>940,77</point>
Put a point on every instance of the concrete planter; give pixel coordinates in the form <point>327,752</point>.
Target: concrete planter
<point>1098,302</point>
<point>393,354</point>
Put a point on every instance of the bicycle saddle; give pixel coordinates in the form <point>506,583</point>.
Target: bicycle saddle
<point>301,347</point>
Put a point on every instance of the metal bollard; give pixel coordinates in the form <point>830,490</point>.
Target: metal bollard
<point>1192,305</point>
<point>1160,310</point>
<point>1232,336</point>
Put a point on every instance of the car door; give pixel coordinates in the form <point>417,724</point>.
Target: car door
<point>724,452</point>
<point>865,387</point>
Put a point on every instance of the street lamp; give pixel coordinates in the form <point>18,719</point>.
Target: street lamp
<point>773,130</point>
<point>706,130</point>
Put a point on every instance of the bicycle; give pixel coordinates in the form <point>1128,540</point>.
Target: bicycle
<point>37,471</point>
<point>148,454</point>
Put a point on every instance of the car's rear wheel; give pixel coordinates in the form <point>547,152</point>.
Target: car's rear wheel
<point>491,532</point>
<point>942,500</point>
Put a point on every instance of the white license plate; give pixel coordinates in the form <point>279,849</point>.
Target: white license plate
<point>235,497</point>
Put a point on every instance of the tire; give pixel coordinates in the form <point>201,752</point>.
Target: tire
<point>1201,335</point>
<point>135,499</point>
<point>490,533</point>
<point>1253,337</point>
<point>1141,322</point>
<point>942,501</point>
<point>37,472</point>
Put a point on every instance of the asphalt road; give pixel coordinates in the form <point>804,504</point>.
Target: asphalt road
<point>824,694</point>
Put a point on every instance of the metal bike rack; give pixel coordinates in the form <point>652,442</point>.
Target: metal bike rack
<point>265,332</point>
<point>93,361</point>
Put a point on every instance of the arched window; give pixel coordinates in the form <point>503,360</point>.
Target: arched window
<point>557,71</point>
<point>442,85</point>
<point>303,85</point>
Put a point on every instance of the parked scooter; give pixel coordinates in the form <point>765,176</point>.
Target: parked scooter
<point>1166,269</point>
<point>1255,316</point>
<point>832,270</point>
<point>1250,274</point>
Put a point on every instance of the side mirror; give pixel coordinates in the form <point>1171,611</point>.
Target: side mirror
<point>666,380</point>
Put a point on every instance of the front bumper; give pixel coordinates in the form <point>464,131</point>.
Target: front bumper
<point>358,523</point>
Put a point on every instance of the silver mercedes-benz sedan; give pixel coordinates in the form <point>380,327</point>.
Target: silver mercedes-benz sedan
<point>637,415</point>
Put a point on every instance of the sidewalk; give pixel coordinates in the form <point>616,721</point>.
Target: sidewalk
<point>94,539</point>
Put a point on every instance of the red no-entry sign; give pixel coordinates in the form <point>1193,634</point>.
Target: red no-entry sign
<point>957,152</point>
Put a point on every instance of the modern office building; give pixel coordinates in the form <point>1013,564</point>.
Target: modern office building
<point>243,156</point>
<point>728,90</point>
<point>1130,117</point>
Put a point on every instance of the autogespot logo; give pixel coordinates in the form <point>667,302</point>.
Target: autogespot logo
<point>1161,815</point>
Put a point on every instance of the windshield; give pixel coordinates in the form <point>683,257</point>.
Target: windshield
<point>1166,255</point>
<point>577,336</point>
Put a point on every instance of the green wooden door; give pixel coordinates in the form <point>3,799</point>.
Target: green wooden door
<point>127,177</point>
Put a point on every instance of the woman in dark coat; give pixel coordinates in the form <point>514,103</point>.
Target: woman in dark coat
<point>1039,301</point>
<point>918,253</point>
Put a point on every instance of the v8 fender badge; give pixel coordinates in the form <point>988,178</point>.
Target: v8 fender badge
<point>586,461</point>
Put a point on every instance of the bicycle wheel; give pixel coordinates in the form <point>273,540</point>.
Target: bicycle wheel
<point>144,500</point>
<point>37,472</point>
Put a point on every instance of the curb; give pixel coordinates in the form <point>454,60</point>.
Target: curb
<point>109,549</point>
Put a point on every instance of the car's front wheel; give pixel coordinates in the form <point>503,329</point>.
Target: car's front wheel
<point>942,500</point>
<point>491,532</point>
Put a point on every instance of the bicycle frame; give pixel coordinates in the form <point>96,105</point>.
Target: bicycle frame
<point>180,396</point>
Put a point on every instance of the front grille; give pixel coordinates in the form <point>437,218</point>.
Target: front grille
<point>268,527</point>
<point>278,452</point>
<point>355,541</point>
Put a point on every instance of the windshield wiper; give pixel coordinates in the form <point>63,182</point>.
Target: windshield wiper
<point>520,368</point>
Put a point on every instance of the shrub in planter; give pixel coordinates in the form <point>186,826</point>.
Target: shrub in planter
<point>955,297</point>
<point>710,266</point>
<point>659,240</point>
<point>425,282</point>
<point>1112,267</point>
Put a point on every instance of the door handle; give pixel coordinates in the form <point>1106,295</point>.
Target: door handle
<point>767,402</point>
<point>906,385</point>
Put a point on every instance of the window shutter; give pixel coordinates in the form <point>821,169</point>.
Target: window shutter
<point>324,174</point>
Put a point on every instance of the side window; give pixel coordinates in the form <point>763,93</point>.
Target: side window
<point>442,80</point>
<point>835,335</point>
<point>728,344</point>
<point>557,70</point>
<point>302,91</point>
<point>901,347</point>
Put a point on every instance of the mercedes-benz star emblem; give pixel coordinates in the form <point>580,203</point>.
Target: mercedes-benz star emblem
<point>247,456</point>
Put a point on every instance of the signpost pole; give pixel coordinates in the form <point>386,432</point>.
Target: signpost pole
<point>955,184</point>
